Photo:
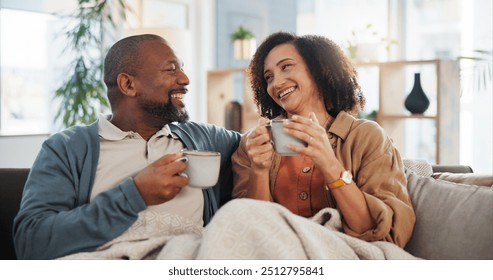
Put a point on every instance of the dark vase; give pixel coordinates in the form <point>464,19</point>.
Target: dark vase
<point>232,118</point>
<point>417,102</point>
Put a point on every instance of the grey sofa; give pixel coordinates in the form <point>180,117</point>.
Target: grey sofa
<point>11,185</point>
<point>454,215</point>
<point>454,221</point>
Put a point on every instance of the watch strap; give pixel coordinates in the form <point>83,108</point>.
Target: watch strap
<point>337,184</point>
<point>345,179</point>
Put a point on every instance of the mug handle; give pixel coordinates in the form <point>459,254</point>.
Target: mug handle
<point>185,160</point>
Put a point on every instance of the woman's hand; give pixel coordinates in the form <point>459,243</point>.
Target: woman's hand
<point>318,146</point>
<point>350,199</point>
<point>259,147</point>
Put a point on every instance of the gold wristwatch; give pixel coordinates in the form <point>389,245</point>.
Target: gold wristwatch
<point>345,179</point>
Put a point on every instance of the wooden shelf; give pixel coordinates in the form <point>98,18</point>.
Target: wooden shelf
<point>398,63</point>
<point>398,117</point>
<point>440,80</point>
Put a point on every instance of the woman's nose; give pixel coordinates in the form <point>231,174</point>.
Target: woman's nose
<point>278,81</point>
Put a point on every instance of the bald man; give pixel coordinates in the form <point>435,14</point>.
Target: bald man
<point>89,183</point>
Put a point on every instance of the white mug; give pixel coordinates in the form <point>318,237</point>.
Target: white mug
<point>281,138</point>
<point>202,167</point>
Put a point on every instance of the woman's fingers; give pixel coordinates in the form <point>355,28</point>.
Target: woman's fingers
<point>313,117</point>
<point>263,121</point>
<point>306,129</point>
<point>259,136</point>
<point>311,132</point>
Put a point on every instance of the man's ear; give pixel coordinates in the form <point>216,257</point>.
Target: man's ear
<point>126,84</point>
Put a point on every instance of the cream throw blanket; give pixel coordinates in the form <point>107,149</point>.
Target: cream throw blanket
<point>242,229</point>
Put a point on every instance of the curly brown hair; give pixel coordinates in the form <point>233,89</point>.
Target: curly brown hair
<point>332,71</point>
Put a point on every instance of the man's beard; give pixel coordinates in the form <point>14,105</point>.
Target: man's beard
<point>166,112</point>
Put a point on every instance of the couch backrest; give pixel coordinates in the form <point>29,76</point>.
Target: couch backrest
<point>12,182</point>
<point>453,221</point>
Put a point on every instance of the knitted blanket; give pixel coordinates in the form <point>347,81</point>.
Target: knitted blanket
<point>243,229</point>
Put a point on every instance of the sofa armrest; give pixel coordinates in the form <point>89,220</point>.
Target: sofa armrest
<point>439,168</point>
<point>465,178</point>
<point>12,182</point>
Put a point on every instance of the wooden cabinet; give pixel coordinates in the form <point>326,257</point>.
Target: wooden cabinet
<point>227,85</point>
<point>433,135</point>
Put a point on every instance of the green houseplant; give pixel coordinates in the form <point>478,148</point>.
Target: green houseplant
<point>241,33</point>
<point>369,33</point>
<point>244,43</point>
<point>477,71</point>
<point>82,94</point>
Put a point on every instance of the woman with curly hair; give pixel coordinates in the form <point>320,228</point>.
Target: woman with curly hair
<point>349,164</point>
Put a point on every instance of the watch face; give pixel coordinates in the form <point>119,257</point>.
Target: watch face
<point>347,177</point>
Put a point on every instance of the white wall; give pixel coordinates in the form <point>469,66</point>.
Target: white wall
<point>19,151</point>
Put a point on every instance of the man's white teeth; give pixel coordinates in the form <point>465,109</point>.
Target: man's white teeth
<point>178,95</point>
<point>286,92</point>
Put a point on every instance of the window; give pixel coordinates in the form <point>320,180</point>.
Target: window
<point>33,58</point>
<point>344,24</point>
<point>30,66</point>
<point>425,29</point>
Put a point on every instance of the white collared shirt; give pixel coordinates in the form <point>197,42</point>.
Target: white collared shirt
<point>124,153</point>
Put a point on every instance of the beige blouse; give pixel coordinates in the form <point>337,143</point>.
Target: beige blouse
<point>362,147</point>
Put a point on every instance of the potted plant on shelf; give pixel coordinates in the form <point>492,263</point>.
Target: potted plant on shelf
<point>82,94</point>
<point>367,44</point>
<point>244,43</point>
<point>477,71</point>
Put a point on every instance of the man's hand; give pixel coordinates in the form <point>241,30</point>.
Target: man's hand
<point>160,182</point>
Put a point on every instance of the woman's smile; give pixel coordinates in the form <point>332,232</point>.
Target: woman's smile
<point>285,92</point>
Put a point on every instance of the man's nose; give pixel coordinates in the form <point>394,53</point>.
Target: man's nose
<point>183,78</point>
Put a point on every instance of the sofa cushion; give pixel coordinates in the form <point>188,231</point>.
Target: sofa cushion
<point>453,221</point>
